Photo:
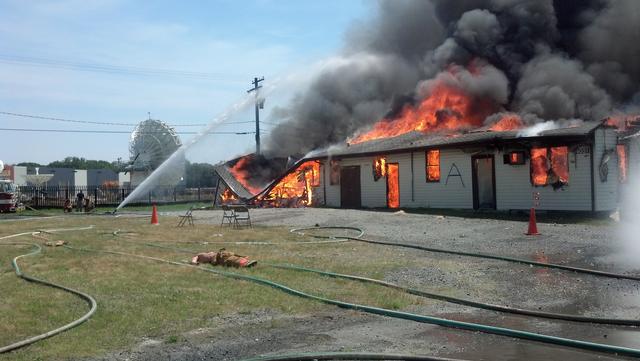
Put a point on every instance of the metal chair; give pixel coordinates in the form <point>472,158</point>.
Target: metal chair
<point>227,215</point>
<point>241,215</point>
<point>187,218</point>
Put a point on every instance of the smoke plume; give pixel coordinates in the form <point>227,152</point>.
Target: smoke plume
<point>546,60</point>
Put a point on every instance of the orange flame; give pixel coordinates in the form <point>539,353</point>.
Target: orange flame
<point>228,196</point>
<point>295,189</point>
<point>507,122</point>
<point>379,168</point>
<point>242,176</point>
<point>560,163</point>
<point>623,162</point>
<point>433,165</point>
<point>393,188</point>
<point>539,166</point>
<point>447,108</point>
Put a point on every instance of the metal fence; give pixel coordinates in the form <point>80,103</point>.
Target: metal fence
<point>45,197</point>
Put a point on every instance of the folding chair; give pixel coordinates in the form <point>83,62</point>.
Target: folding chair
<point>241,214</point>
<point>228,215</point>
<point>186,218</point>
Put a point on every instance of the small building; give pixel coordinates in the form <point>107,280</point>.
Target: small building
<point>569,169</point>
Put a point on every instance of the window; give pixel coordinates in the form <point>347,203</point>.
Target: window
<point>379,168</point>
<point>433,165</point>
<point>623,162</point>
<point>550,166</point>
<point>514,158</point>
<point>313,168</point>
<point>334,174</point>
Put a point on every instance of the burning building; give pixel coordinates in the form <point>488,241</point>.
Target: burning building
<point>468,104</point>
<point>574,168</point>
<point>242,179</point>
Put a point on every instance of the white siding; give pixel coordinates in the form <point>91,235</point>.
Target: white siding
<point>513,184</point>
<point>606,192</point>
<point>451,191</point>
<point>515,191</point>
<point>633,157</point>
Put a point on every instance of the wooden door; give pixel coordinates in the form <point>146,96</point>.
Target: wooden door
<point>350,196</point>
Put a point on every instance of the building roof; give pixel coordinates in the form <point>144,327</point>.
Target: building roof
<point>235,186</point>
<point>418,140</point>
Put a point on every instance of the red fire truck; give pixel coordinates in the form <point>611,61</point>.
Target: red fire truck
<point>8,196</point>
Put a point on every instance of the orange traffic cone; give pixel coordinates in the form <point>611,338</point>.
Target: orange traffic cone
<point>154,215</point>
<point>533,227</point>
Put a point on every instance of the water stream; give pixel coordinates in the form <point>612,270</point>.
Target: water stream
<point>178,156</point>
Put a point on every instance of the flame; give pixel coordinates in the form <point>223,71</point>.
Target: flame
<point>623,162</point>
<point>539,166</point>
<point>295,189</point>
<point>242,176</point>
<point>560,163</point>
<point>379,168</point>
<point>447,108</point>
<point>228,196</point>
<point>507,122</point>
<point>433,165</point>
<point>393,188</point>
<point>514,157</point>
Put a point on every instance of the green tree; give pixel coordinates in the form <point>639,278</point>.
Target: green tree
<point>200,175</point>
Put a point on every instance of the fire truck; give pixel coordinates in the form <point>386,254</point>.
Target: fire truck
<point>8,193</point>
<point>8,196</point>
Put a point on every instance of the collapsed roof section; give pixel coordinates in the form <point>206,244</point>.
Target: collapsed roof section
<point>247,176</point>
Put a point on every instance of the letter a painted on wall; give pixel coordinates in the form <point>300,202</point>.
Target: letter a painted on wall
<point>454,172</point>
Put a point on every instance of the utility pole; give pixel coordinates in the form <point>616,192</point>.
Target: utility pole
<point>259,105</point>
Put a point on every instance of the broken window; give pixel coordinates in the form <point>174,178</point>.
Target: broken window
<point>623,162</point>
<point>514,158</point>
<point>433,165</point>
<point>314,173</point>
<point>334,174</point>
<point>550,166</point>
<point>379,168</point>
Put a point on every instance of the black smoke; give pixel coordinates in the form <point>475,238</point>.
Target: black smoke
<point>543,59</point>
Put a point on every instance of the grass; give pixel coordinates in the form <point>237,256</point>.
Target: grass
<point>170,207</point>
<point>139,299</point>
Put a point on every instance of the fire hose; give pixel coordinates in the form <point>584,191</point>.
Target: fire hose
<point>532,336</point>
<point>436,296</point>
<point>36,250</point>
<point>346,356</point>
<point>468,254</point>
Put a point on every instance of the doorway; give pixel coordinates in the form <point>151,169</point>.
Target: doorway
<point>393,185</point>
<point>484,182</point>
<point>350,196</point>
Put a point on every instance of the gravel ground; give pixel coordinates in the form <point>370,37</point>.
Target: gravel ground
<point>585,245</point>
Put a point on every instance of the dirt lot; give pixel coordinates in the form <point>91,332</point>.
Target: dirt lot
<point>270,330</point>
<point>588,244</point>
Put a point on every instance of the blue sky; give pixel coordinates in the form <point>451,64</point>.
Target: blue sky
<point>231,41</point>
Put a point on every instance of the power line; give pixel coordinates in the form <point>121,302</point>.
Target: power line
<point>110,131</point>
<point>113,123</point>
<point>86,121</point>
<point>105,68</point>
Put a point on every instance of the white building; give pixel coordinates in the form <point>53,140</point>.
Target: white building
<point>578,170</point>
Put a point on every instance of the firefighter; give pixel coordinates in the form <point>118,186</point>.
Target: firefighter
<point>88,205</point>
<point>79,201</point>
<point>223,258</point>
<point>68,207</point>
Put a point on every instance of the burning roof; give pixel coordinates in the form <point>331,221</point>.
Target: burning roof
<point>248,175</point>
<point>416,140</point>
